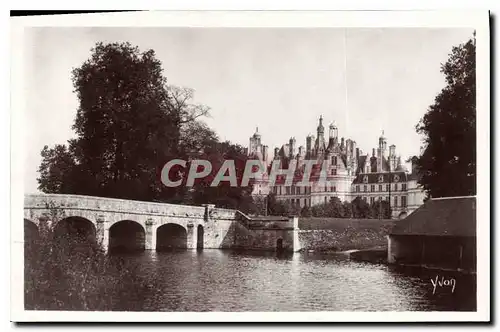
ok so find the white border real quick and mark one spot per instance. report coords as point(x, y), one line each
point(472, 18)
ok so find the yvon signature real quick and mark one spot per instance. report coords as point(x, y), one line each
point(443, 282)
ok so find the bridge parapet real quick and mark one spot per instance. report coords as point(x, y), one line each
point(92, 203)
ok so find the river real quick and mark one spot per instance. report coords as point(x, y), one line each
point(216, 280)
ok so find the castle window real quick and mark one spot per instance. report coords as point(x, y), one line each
point(403, 186)
point(331, 188)
point(372, 188)
point(403, 201)
point(334, 171)
point(379, 187)
point(326, 200)
point(364, 187)
point(395, 201)
point(395, 187)
point(357, 189)
point(334, 188)
point(287, 190)
point(387, 187)
point(372, 200)
point(293, 190)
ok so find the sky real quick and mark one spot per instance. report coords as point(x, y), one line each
point(280, 80)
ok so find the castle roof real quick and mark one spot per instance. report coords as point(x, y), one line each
point(380, 177)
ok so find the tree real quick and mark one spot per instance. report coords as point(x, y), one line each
point(348, 210)
point(380, 210)
point(224, 194)
point(360, 208)
point(125, 125)
point(447, 166)
point(306, 212)
point(277, 208)
point(56, 170)
point(129, 123)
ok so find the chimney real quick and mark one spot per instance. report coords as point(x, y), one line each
point(413, 166)
point(392, 150)
point(264, 152)
point(308, 144)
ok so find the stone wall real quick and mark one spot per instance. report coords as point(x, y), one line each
point(330, 234)
point(263, 239)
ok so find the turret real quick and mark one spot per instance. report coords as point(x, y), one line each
point(320, 129)
point(382, 144)
point(320, 141)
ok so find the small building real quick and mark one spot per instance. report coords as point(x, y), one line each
point(440, 234)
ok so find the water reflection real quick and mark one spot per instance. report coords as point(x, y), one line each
point(216, 280)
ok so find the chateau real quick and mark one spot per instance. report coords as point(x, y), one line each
point(349, 172)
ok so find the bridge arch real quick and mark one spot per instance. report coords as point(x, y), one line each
point(171, 236)
point(127, 235)
point(31, 234)
point(74, 232)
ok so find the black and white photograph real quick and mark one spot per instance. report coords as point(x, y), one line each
point(173, 163)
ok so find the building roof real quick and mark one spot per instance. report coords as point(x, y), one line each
point(373, 178)
point(449, 216)
point(413, 176)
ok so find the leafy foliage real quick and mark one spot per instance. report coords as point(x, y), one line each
point(335, 208)
point(128, 125)
point(447, 166)
point(69, 271)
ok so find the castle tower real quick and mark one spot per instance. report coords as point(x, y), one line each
point(254, 145)
point(382, 152)
point(320, 141)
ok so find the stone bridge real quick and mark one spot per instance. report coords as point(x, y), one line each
point(116, 223)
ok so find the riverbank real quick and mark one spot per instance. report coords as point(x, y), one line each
point(343, 235)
